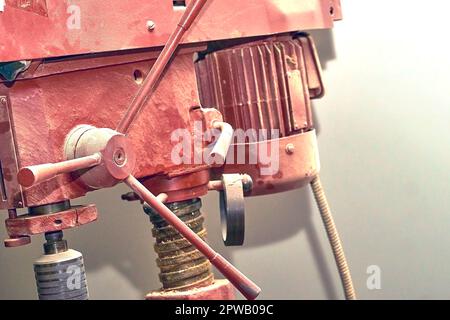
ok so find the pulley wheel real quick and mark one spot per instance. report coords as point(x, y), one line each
point(232, 210)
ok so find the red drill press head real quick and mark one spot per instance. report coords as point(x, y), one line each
point(79, 112)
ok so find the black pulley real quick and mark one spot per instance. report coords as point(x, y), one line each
point(232, 210)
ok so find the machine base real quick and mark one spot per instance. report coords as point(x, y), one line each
point(219, 290)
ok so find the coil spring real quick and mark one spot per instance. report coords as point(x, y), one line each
point(182, 266)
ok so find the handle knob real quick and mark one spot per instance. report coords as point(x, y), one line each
point(32, 175)
point(223, 143)
point(108, 153)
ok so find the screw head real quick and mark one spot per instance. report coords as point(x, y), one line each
point(247, 183)
point(3, 100)
point(120, 157)
point(290, 148)
point(151, 25)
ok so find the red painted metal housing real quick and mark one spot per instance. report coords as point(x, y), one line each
point(86, 61)
point(54, 95)
point(265, 89)
point(35, 29)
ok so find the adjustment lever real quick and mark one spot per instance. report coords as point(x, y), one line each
point(247, 287)
point(32, 175)
point(114, 160)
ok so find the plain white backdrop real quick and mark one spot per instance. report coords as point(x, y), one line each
point(384, 133)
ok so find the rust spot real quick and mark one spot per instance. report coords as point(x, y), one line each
point(292, 61)
point(278, 175)
point(35, 6)
point(270, 186)
point(4, 127)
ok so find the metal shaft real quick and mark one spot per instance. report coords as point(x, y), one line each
point(33, 175)
point(249, 289)
point(333, 236)
point(191, 13)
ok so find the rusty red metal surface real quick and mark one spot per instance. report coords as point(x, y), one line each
point(219, 290)
point(103, 26)
point(191, 13)
point(34, 6)
point(54, 96)
point(11, 191)
point(17, 242)
point(298, 164)
point(179, 188)
point(100, 72)
point(267, 85)
point(45, 109)
point(37, 224)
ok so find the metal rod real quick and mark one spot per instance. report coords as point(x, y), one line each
point(216, 185)
point(249, 289)
point(29, 176)
point(191, 13)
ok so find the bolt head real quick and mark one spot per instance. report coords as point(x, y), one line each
point(151, 25)
point(290, 148)
point(247, 183)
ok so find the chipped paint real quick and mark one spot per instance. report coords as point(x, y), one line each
point(35, 6)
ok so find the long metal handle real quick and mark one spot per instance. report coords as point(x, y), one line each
point(249, 289)
point(191, 13)
point(32, 175)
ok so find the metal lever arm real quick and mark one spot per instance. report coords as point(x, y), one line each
point(191, 13)
point(249, 289)
point(32, 175)
point(116, 160)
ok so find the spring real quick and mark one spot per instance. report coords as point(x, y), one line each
point(182, 266)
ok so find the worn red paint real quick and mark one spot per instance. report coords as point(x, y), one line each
point(53, 96)
point(34, 6)
point(105, 27)
point(31, 225)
